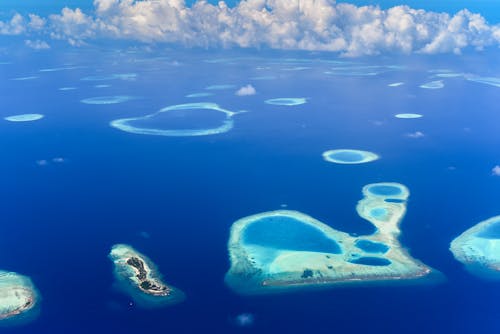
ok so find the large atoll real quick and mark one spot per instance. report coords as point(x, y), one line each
point(139, 278)
point(478, 248)
point(19, 299)
point(282, 250)
point(152, 125)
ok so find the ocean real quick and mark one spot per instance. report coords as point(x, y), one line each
point(73, 186)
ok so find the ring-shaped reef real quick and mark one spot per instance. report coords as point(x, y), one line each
point(19, 299)
point(478, 249)
point(349, 156)
point(438, 84)
point(127, 124)
point(287, 101)
point(108, 99)
point(408, 116)
point(284, 250)
point(139, 278)
point(24, 118)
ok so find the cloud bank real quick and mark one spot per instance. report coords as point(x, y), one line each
point(319, 25)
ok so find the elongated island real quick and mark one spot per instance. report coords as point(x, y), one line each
point(287, 250)
point(19, 299)
point(478, 249)
point(138, 277)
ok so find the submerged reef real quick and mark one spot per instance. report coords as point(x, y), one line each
point(24, 118)
point(438, 84)
point(108, 99)
point(287, 101)
point(138, 277)
point(285, 250)
point(120, 76)
point(348, 156)
point(408, 116)
point(19, 299)
point(485, 80)
point(478, 249)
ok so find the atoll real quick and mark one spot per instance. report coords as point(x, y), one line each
point(127, 124)
point(286, 250)
point(196, 95)
point(138, 277)
point(287, 101)
point(492, 81)
point(438, 84)
point(19, 299)
point(408, 116)
point(220, 87)
point(119, 76)
point(24, 118)
point(108, 99)
point(478, 249)
point(348, 156)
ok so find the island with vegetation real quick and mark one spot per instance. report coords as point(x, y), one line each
point(138, 277)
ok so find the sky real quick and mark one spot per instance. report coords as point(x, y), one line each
point(346, 27)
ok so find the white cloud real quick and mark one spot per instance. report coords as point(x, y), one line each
point(37, 44)
point(246, 91)
point(280, 24)
point(417, 134)
point(496, 170)
point(16, 26)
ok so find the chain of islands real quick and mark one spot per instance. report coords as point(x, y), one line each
point(139, 278)
point(287, 250)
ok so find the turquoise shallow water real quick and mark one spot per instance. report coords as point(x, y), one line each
point(385, 190)
point(287, 233)
point(348, 156)
point(372, 261)
point(371, 246)
point(492, 232)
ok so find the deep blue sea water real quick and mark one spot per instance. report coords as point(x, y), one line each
point(175, 198)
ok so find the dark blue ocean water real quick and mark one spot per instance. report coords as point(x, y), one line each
point(174, 199)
